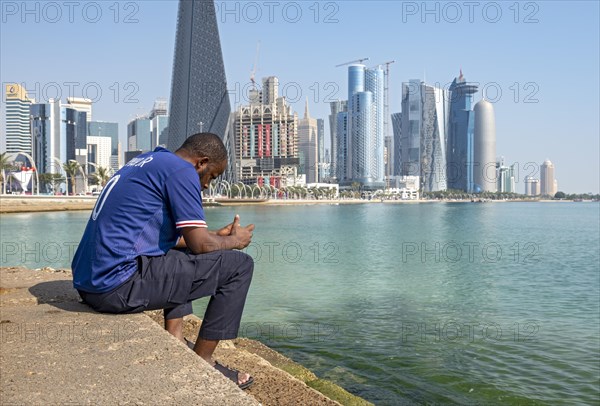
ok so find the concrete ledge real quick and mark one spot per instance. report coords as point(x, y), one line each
point(55, 350)
point(24, 204)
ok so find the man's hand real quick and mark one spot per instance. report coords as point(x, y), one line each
point(232, 236)
point(225, 231)
point(242, 234)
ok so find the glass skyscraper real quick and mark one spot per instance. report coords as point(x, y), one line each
point(18, 131)
point(342, 147)
point(460, 135)
point(199, 97)
point(364, 128)
point(397, 131)
point(374, 79)
point(308, 140)
point(160, 127)
point(139, 134)
point(336, 107)
point(422, 149)
point(59, 135)
point(321, 141)
point(105, 129)
point(484, 148)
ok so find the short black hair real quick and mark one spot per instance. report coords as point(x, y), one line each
point(206, 144)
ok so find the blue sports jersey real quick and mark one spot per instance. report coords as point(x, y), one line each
point(140, 211)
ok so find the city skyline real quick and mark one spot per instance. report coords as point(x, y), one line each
point(521, 78)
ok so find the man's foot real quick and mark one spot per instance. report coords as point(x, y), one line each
point(243, 381)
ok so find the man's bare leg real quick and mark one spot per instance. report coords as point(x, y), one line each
point(204, 348)
point(175, 327)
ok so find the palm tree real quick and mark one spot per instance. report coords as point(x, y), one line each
point(51, 181)
point(71, 168)
point(355, 189)
point(5, 165)
point(102, 175)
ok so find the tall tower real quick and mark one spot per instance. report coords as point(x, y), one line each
point(81, 104)
point(547, 182)
point(108, 129)
point(461, 129)
point(59, 135)
point(422, 149)
point(397, 144)
point(308, 140)
point(484, 151)
point(266, 139)
point(374, 83)
point(343, 151)
point(364, 141)
point(336, 107)
point(199, 97)
point(270, 90)
point(18, 130)
point(321, 148)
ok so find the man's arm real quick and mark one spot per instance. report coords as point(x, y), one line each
point(225, 231)
point(200, 240)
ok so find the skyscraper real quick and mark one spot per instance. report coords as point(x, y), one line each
point(397, 134)
point(107, 129)
point(308, 146)
point(144, 133)
point(484, 148)
point(364, 142)
point(81, 104)
point(139, 134)
point(199, 97)
point(547, 181)
point(18, 130)
point(99, 152)
point(360, 123)
point(59, 135)
point(159, 123)
point(342, 161)
point(506, 177)
point(266, 139)
point(336, 107)
point(532, 186)
point(461, 131)
point(320, 144)
point(422, 147)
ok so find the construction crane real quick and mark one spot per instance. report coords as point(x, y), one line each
point(355, 61)
point(253, 71)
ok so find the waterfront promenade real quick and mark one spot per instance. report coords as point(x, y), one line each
point(55, 350)
point(26, 204)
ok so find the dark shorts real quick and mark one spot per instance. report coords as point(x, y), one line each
point(172, 281)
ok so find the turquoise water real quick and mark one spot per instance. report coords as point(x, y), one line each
point(409, 303)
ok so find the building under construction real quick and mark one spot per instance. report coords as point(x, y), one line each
point(266, 138)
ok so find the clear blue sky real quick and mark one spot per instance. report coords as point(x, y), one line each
point(548, 50)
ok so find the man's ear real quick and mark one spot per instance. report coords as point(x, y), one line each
point(202, 162)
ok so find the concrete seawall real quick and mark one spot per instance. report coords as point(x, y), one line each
point(24, 204)
point(56, 350)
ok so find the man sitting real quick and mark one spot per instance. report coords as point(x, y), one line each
point(147, 246)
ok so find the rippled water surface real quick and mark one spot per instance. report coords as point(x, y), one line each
point(442, 302)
